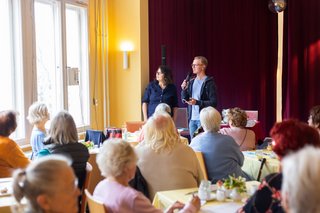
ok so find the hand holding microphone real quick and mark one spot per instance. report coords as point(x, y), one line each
point(185, 82)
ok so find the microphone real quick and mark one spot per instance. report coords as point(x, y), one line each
point(189, 76)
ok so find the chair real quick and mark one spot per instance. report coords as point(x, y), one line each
point(95, 206)
point(202, 164)
point(133, 126)
point(85, 186)
point(181, 121)
point(96, 136)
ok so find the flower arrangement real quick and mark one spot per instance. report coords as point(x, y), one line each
point(232, 182)
point(88, 144)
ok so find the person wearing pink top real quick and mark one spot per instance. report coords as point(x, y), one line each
point(117, 162)
point(245, 138)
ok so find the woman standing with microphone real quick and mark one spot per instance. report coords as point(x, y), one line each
point(161, 90)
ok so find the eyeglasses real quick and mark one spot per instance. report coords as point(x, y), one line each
point(196, 65)
point(159, 73)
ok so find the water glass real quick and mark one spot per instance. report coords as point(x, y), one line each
point(204, 190)
point(124, 133)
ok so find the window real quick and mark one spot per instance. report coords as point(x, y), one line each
point(11, 93)
point(53, 48)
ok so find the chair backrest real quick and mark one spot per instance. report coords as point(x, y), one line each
point(202, 164)
point(85, 186)
point(133, 126)
point(181, 118)
point(252, 114)
point(95, 206)
point(96, 136)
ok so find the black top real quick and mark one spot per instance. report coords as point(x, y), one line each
point(208, 95)
point(268, 197)
point(154, 95)
point(79, 155)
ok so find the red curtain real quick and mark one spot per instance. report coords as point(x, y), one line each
point(239, 39)
point(301, 76)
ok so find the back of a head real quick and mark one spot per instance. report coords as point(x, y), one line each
point(8, 122)
point(210, 119)
point(160, 133)
point(40, 177)
point(292, 135)
point(300, 187)
point(238, 117)
point(113, 157)
point(315, 116)
point(38, 112)
point(63, 129)
point(163, 108)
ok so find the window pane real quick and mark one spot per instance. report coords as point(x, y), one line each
point(77, 59)
point(48, 52)
point(11, 93)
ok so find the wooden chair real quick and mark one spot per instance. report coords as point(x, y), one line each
point(85, 186)
point(133, 126)
point(94, 205)
point(202, 164)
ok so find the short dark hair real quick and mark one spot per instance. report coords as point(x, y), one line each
point(8, 122)
point(315, 115)
point(167, 74)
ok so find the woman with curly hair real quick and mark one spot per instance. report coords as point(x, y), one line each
point(245, 138)
point(288, 137)
point(164, 161)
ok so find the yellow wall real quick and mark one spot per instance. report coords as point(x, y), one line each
point(127, 21)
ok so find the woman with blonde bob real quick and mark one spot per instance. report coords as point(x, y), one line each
point(117, 162)
point(176, 164)
point(245, 138)
point(48, 184)
point(38, 116)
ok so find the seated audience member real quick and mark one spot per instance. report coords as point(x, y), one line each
point(221, 153)
point(48, 185)
point(117, 162)
point(165, 162)
point(314, 117)
point(237, 119)
point(163, 108)
point(289, 136)
point(11, 155)
point(63, 139)
point(300, 187)
point(38, 116)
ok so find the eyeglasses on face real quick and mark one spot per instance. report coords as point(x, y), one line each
point(159, 72)
point(196, 65)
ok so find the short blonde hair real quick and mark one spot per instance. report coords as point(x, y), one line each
point(160, 133)
point(238, 117)
point(302, 189)
point(114, 156)
point(163, 108)
point(63, 129)
point(210, 119)
point(38, 112)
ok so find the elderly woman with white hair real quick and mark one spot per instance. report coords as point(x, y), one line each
point(117, 162)
point(221, 153)
point(300, 186)
point(38, 116)
point(164, 161)
point(48, 185)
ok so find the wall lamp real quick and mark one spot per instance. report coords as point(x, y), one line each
point(126, 47)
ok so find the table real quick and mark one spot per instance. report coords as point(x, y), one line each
point(251, 164)
point(164, 199)
point(6, 200)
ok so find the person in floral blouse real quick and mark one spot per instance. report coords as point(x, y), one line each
point(288, 136)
